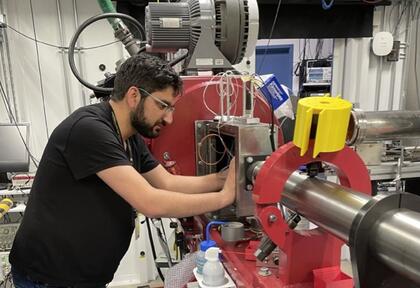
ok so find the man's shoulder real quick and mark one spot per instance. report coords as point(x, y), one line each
point(87, 118)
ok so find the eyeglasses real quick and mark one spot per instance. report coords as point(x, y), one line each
point(162, 105)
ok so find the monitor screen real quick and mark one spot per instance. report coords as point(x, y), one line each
point(14, 156)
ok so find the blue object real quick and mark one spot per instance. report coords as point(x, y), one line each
point(274, 92)
point(204, 245)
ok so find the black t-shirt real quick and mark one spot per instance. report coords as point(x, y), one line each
point(76, 229)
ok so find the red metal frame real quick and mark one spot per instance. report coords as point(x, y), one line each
point(317, 249)
point(178, 139)
point(303, 253)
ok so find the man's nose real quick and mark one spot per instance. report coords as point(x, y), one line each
point(169, 117)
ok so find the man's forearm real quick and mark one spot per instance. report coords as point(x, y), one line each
point(163, 203)
point(197, 184)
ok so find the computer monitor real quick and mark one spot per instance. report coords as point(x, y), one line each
point(14, 156)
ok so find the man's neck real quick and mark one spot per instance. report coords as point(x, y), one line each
point(122, 115)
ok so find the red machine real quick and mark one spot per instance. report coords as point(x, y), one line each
point(301, 254)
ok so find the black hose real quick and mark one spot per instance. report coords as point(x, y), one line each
point(152, 245)
point(177, 60)
point(76, 35)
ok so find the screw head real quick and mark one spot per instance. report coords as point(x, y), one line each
point(264, 271)
point(249, 159)
point(272, 218)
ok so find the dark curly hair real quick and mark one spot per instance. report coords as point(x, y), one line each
point(146, 71)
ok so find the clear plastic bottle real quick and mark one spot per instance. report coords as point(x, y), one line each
point(213, 271)
point(201, 254)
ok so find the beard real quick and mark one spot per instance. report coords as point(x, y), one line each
point(138, 121)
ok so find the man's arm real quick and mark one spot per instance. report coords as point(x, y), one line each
point(159, 177)
point(153, 202)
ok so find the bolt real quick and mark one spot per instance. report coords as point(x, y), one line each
point(249, 159)
point(264, 271)
point(249, 187)
point(199, 125)
point(166, 156)
point(272, 218)
point(200, 162)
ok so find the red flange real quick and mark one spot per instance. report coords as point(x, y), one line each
point(282, 163)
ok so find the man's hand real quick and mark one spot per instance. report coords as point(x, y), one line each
point(229, 190)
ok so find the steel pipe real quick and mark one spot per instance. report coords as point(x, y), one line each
point(382, 125)
point(396, 240)
point(328, 205)
point(395, 237)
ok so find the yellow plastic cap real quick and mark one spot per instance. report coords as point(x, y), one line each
point(327, 118)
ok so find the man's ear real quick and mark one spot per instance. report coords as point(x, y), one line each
point(132, 97)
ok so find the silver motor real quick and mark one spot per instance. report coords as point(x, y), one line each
point(217, 33)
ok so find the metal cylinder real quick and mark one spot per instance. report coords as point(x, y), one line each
point(395, 237)
point(328, 205)
point(253, 170)
point(383, 125)
point(232, 231)
point(396, 240)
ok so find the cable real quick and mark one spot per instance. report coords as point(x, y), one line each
point(40, 72)
point(270, 36)
point(8, 106)
point(152, 245)
point(163, 243)
point(76, 35)
point(57, 46)
point(399, 19)
point(178, 59)
point(415, 55)
point(271, 104)
point(200, 145)
point(326, 6)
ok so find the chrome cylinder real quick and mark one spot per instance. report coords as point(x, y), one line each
point(396, 240)
point(328, 205)
point(382, 125)
point(395, 237)
point(253, 170)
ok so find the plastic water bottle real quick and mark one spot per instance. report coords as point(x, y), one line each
point(213, 272)
point(201, 256)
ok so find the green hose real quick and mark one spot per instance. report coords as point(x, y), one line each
point(108, 7)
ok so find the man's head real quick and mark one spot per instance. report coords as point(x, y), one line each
point(149, 87)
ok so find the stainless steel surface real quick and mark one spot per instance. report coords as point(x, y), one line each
point(383, 125)
point(244, 141)
point(232, 231)
point(328, 205)
point(391, 225)
point(371, 153)
point(389, 171)
point(396, 240)
point(253, 170)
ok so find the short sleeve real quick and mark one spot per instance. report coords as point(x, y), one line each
point(91, 147)
point(146, 160)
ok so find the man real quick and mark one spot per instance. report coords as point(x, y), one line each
point(95, 168)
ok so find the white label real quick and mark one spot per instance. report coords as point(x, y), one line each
point(219, 62)
point(170, 22)
point(203, 61)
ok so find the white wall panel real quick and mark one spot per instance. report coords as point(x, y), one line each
point(369, 81)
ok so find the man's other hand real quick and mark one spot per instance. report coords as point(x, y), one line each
point(230, 183)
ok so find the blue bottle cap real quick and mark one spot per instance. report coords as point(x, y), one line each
point(206, 244)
